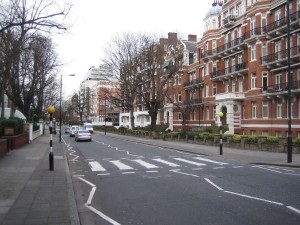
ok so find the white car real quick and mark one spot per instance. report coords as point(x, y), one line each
point(83, 135)
point(89, 127)
point(73, 130)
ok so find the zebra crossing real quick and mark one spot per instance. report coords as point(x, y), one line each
point(128, 166)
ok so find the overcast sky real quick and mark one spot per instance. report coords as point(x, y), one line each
point(96, 21)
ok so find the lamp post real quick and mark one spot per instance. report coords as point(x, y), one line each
point(51, 110)
point(289, 85)
point(105, 114)
point(221, 133)
point(60, 104)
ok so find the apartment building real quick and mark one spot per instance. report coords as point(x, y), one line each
point(239, 67)
point(243, 64)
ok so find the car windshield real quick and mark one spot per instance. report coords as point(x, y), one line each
point(89, 126)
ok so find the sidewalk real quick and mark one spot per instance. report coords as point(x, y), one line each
point(31, 194)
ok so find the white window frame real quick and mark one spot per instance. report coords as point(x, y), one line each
point(265, 109)
point(253, 52)
point(253, 81)
point(254, 110)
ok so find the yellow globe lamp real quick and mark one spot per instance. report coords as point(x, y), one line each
point(51, 109)
point(221, 114)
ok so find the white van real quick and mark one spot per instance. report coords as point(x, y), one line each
point(89, 127)
point(73, 130)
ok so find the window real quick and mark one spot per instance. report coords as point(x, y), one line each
point(265, 133)
point(253, 132)
point(239, 10)
point(233, 86)
point(254, 110)
point(253, 80)
point(253, 52)
point(207, 113)
point(214, 89)
point(179, 116)
point(253, 25)
point(179, 96)
point(277, 16)
point(278, 82)
point(265, 81)
point(279, 109)
point(265, 109)
point(278, 50)
point(264, 52)
point(264, 22)
point(227, 87)
point(179, 79)
point(206, 90)
point(278, 134)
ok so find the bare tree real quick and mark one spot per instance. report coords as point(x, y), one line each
point(156, 76)
point(26, 69)
point(123, 55)
point(42, 15)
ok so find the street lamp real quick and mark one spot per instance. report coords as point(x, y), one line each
point(289, 85)
point(51, 110)
point(217, 2)
point(60, 104)
point(221, 133)
point(105, 114)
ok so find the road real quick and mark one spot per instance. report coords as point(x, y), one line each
point(117, 181)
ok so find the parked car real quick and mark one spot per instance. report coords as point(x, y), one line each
point(73, 130)
point(83, 135)
point(89, 127)
point(67, 130)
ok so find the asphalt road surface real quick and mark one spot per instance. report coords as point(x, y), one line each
point(126, 182)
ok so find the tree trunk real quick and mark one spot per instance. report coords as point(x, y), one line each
point(132, 119)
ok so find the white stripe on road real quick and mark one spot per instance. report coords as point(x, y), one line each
point(95, 166)
point(166, 162)
point(145, 164)
point(213, 184)
point(121, 165)
point(255, 198)
point(211, 161)
point(294, 209)
point(190, 162)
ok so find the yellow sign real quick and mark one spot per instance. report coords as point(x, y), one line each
point(51, 109)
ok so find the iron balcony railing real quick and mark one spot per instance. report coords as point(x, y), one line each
point(281, 87)
point(193, 102)
point(281, 55)
point(228, 70)
point(193, 82)
point(282, 22)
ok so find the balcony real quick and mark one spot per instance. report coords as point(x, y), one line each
point(208, 54)
point(231, 47)
point(279, 26)
point(193, 102)
point(230, 96)
point(192, 84)
point(232, 71)
point(229, 21)
point(254, 34)
point(279, 59)
point(281, 88)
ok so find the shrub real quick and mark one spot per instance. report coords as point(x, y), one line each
point(272, 139)
point(236, 138)
point(252, 139)
point(13, 122)
point(296, 141)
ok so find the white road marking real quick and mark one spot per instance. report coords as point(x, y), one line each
point(152, 171)
point(103, 174)
point(145, 164)
point(128, 172)
point(255, 198)
point(213, 184)
point(188, 174)
point(261, 167)
point(219, 167)
point(294, 209)
point(95, 166)
point(211, 161)
point(89, 202)
point(190, 162)
point(166, 162)
point(121, 165)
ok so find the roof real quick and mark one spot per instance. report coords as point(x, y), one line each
point(191, 46)
point(213, 11)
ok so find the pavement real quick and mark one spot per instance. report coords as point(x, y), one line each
point(31, 194)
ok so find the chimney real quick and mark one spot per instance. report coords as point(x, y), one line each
point(192, 37)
